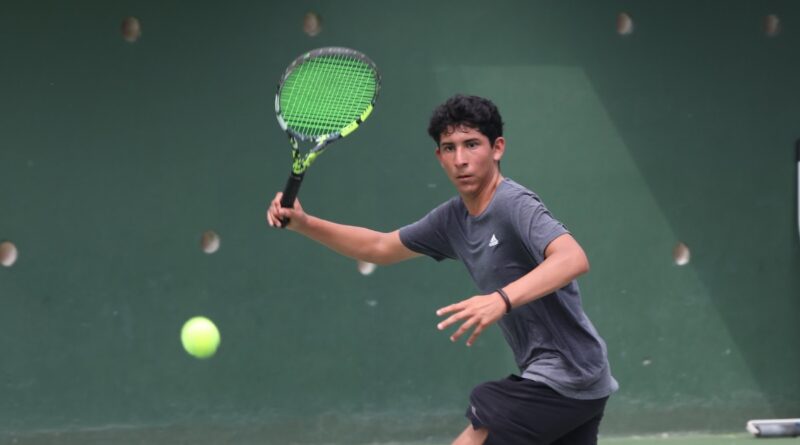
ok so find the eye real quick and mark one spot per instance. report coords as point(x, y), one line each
point(447, 148)
point(472, 144)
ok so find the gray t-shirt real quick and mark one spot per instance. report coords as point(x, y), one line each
point(552, 338)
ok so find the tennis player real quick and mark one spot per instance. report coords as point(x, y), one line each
point(523, 261)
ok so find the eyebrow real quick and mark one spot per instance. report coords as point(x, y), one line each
point(442, 144)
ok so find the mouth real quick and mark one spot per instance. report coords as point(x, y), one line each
point(463, 177)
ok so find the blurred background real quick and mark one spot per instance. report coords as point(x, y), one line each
point(134, 135)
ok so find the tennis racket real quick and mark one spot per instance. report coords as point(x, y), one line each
point(323, 96)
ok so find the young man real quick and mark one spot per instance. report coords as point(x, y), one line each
point(523, 261)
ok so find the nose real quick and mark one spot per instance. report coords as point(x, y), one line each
point(460, 157)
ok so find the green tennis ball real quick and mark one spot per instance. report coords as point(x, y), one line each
point(200, 337)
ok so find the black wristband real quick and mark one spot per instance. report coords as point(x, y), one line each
point(505, 298)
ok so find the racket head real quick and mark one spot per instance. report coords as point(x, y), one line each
point(326, 94)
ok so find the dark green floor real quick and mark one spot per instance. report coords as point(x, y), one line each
point(139, 437)
point(686, 439)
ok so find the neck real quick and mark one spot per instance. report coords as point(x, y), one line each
point(476, 203)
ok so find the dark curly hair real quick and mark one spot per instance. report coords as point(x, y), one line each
point(469, 111)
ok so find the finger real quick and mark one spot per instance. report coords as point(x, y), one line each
point(275, 216)
point(475, 334)
point(284, 217)
point(462, 329)
point(448, 309)
point(272, 216)
point(452, 319)
point(271, 213)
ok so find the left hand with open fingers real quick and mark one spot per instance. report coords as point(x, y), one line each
point(479, 312)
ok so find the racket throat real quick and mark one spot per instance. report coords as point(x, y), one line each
point(301, 163)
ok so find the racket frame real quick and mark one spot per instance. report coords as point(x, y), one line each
point(301, 162)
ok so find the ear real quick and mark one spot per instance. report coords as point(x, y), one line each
point(498, 149)
point(439, 156)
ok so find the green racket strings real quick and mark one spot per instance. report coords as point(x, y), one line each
point(325, 94)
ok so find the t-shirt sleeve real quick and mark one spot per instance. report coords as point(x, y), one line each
point(536, 226)
point(428, 236)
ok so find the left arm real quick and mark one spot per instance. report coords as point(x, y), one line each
point(564, 261)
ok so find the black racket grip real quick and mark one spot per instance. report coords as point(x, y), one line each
point(290, 194)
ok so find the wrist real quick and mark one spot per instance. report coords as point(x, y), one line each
point(299, 224)
point(506, 300)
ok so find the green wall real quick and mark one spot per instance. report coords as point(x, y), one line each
point(116, 157)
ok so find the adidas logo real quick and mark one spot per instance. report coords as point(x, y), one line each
point(493, 242)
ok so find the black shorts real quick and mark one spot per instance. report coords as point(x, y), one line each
point(518, 411)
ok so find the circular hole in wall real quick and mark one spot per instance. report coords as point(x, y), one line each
point(681, 254)
point(8, 253)
point(312, 24)
point(131, 29)
point(210, 242)
point(624, 24)
point(772, 25)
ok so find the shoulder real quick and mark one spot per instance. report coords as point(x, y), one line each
point(442, 214)
point(449, 208)
point(524, 207)
point(517, 195)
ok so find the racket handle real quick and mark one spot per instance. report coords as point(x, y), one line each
point(290, 193)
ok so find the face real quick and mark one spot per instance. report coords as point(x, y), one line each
point(469, 159)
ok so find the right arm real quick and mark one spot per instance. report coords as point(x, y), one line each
point(351, 241)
